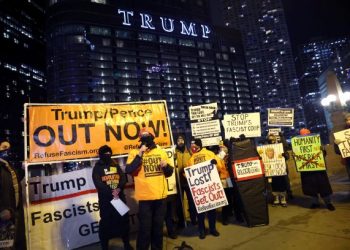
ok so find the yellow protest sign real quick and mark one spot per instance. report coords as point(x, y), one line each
point(64, 132)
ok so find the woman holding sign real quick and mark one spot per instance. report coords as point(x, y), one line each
point(200, 154)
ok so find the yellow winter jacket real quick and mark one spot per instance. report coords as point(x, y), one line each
point(205, 155)
point(150, 182)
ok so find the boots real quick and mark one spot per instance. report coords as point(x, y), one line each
point(276, 200)
point(283, 199)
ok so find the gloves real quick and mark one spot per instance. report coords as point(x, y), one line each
point(214, 162)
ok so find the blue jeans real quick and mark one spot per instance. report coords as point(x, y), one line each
point(151, 217)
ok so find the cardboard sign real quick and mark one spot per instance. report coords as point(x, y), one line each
point(344, 145)
point(274, 162)
point(205, 185)
point(76, 131)
point(204, 124)
point(280, 117)
point(307, 153)
point(237, 124)
point(246, 169)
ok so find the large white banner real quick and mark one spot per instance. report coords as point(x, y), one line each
point(272, 157)
point(204, 123)
point(205, 185)
point(280, 117)
point(63, 211)
point(237, 124)
point(344, 145)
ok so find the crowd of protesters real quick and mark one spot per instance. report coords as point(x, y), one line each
point(150, 166)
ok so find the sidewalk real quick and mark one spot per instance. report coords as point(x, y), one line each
point(294, 227)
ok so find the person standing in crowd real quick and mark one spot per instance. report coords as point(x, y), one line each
point(200, 154)
point(279, 183)
point(109, 181)
point(150, 166)
point(336, 143)
point(11, 206)
point(182, 156)
point(316, 183)
point(221, 152)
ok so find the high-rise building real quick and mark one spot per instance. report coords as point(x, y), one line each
point(124, 51)
point(22, 65)
point(268, 53)
point(314, 58)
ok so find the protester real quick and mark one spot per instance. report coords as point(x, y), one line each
point(200, 154)
point(182, 156)
point(150, 165)
point(279, 183)
point(315, 183)
point(336, 143)
point(11, 206)
point(109, 181)
point(221, 152)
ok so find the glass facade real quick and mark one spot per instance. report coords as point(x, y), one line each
point(314, 58)
point(22, 66)
point(126, 57)
point(268, 53)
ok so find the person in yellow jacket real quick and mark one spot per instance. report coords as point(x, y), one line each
point(200, 154)
point(150, 166)
point(182, 156)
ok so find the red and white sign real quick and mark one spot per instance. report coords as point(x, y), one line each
point(246, 169)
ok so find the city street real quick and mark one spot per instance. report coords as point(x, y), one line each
point(294, 227)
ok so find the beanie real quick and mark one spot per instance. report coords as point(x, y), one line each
point(104, 149)
point(304, 131)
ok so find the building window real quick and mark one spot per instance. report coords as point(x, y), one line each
point(201, 53)
point(232, 50)
point(100, 31)
point(186, 42)
point(99, 1)
point(146, 37)
point(167, 40)
point(120, 44)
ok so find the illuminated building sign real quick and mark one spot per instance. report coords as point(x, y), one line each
point(168, 24)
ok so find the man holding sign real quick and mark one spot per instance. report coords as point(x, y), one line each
point(309, 160)
point(205, 185)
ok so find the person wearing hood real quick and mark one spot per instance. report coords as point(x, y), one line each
point(109, 181)
point(315, 183)
point(150, 165)
point(11, 206)
point(200, 154)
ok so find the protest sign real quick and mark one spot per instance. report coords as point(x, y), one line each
point(205, 185)
point(171, 180)
point(274, 162)
point(344, 145)
point(204, 123)
point(204, 112)
point(64, 132)
point(280, 117)
point(246, 123)
point(246, 169)
point(307, 153)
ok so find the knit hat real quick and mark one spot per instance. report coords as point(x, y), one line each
point(104, 150)
point(197, 142)
point(304, 131)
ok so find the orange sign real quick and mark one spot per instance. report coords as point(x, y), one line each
point(67, 132)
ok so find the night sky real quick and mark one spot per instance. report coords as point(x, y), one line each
point(307, 19)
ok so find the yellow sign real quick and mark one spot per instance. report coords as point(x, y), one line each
point(76, 131)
